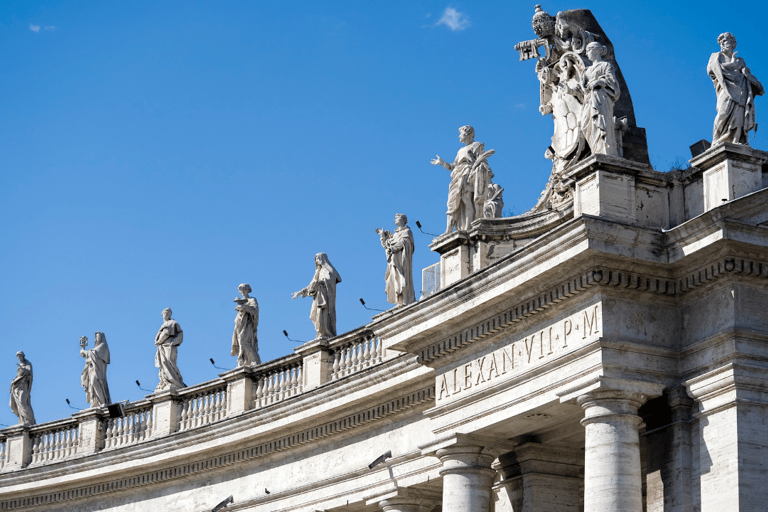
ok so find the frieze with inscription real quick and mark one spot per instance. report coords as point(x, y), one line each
point(519, 353)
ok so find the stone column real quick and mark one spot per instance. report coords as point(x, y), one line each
point(467, 478)
point(91, 433)
point(403, 500)
point(317, 363)
point(18, 447)
point(239, 390)
point(612, 478)
point(165, 412)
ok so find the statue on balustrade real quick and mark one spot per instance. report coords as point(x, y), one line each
point(470, 177)
point(322, 289)
point(495, 202)
point(245, 344)
point(736, 89)
point(399, 248)
point(21, 391)
point(167, 341)
point(583, 89)
point(94, 375)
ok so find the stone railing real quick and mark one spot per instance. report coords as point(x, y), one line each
point(54, 441)
point(202, 404)
point(355, 355)
point(161, 414)
point(278, 380)
point(133, 427)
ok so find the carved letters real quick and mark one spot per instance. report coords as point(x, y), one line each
point(517, 356)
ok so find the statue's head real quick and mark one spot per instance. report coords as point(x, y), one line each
point(596, 51)
point(727, 41)
point(167, 314)
point(401, 219)
point(244, 289)
point(20, 355)
point(543, 24)
point(466, 134)
point(99, 337)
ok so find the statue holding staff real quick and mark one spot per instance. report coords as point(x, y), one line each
point(21, 391)
point(399, 276)
point(167, 341)
point(245, 344)
point(94, 375)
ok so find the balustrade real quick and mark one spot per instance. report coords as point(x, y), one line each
point(135, 426)
point(3, 453)
point(276, 384)
point(202, 407)
point(52, 443)
point(356, 355)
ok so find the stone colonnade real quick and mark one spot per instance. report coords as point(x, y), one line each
point(536, 477)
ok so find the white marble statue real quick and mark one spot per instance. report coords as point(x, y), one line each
point(167, 341)
point(494, 204)
point(21, 391)
point(470, 177)
point(399, 247)
point(322, 289)
point(601, 91)
point(736, 89)
point(245, 343)
point(94, 375)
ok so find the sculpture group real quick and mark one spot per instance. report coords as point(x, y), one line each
point(581, 87)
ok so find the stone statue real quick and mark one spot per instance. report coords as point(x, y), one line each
point(399, 276)
point(94, 375)
point(494, 204)
point(582, 87)
point(167, 341)
point(322, 289)
point(736, 89)
point(21, 391)
point(601, 91)
point(245, 344)
point(470, 177)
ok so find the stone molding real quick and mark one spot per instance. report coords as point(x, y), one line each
point(341, 425)
point(602, 275)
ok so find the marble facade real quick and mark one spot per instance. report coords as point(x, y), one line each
point(604, 353)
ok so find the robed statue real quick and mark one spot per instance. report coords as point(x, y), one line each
point(399, 248)
point(94, 375)
point(245, 343)
point(167, 341)
point(21, 391)
point(322, 289)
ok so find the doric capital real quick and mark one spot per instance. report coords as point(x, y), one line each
point(601, 405)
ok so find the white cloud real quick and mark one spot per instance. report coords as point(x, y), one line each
point(454, 19)
point(34, 28)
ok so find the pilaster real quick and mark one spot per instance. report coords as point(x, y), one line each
point(165, 412)
point(18, 447)
point(89, 424)
point(317, 363)
point(239, 389)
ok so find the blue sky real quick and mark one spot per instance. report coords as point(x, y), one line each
point(157, 154)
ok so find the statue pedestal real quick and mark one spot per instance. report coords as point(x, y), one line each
point(91, 435)
point(239, 389)
point(165, 412)
point(730, 171)
point(317, 363)
point(18, 448)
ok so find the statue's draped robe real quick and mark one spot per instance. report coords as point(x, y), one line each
point(21, 394)
point(736, 93)
point(461, 205)
point(167, 340)
point(94, 375)
point(399, 276)
point(323, 290)
point(601, 91)
point(245, 343)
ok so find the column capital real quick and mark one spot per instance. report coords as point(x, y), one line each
point(601, 405)
point(405, 499)
point(465, 458)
